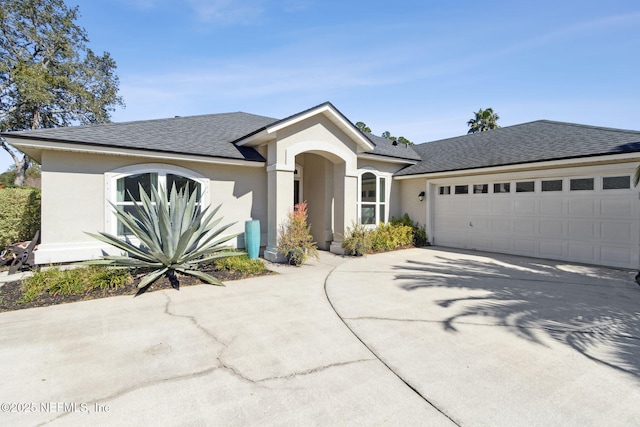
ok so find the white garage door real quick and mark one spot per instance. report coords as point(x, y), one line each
point(591, 220)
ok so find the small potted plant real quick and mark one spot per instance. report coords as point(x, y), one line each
point(295, 241)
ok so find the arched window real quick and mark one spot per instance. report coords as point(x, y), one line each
point(123, 188)
point(372, 198)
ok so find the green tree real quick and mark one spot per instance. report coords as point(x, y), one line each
point(363, 127)
point(484, 120)
point(48, 75)
point(400, 139)
point(386, 134)
point(32, 176)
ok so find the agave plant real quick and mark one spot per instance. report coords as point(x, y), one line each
point(175, 236)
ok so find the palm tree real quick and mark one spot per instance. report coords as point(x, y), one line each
point(484, 120)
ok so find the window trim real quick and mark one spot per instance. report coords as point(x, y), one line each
point(460, 187)
point(524, 191)
point(562, 185)
point(603, 177)
point(387, 193)
point(441, 191)
point(583, 178)
point(503, 183)
point(162, 169)
point(474, 188)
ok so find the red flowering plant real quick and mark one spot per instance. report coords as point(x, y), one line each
point(294, 236)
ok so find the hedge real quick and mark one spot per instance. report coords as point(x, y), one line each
point(19, 215)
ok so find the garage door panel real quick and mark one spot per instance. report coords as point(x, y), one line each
point(501, 244)
point(616, 255)
point(552, 207)
point(525, 226)
point(617, 232)
point(502, 225)
point(501, 205)
point(480, 242)
point(582, 230)
point(452, 223)
point(582, 207)
point(480, 206)
point(525, 246)
point(552, 228)
point(525, 206)
point(552, 249)
point(583, 252)
point(453, 239)
point(616, 208)
point(480, 224)
point(459, 205)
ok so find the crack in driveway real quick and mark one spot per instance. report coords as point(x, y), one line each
point(314, 370)
point(379, 358)
point(220, 366)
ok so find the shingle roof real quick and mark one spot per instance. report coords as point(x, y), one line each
point(537, 141)
point(207, 135)
point(385, 147)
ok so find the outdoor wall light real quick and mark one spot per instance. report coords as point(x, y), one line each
point(421, 196)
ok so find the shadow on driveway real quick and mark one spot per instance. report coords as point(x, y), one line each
point(593, 310)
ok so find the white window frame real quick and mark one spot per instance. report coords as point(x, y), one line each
point(387, 193)
point(111, 186)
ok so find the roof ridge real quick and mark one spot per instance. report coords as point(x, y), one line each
point(580, 125)
point(130, 122)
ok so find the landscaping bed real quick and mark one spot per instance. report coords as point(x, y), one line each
point(61, 289)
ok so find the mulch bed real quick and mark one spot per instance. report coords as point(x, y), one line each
point(11, 293)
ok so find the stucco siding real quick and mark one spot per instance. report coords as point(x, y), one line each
point(72, 197)
point(74, 200)
point(407, 199)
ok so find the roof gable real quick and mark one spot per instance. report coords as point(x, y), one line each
point(537, 141)
point(327, 109)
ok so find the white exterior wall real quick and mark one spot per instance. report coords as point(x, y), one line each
point(74, 200)
point(407, 195)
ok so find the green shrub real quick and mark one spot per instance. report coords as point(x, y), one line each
point(388, 237)
point(403, 220)
point(420, 237)
point(357, 242)
point(242, 264)
point(419, 233)
point(398, 233)
point(73, 282)
point(19, 214)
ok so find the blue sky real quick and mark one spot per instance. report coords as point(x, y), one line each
point(415, 68)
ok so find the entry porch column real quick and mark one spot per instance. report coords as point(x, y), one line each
point(345, 190)
point(280, 203)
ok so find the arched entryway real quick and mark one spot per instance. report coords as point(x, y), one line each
point(326, 179)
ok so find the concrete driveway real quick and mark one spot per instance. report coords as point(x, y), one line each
point(497, 340)
point(423, 337)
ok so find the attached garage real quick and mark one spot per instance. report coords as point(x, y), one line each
point(543, 189)
point(589, 219)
